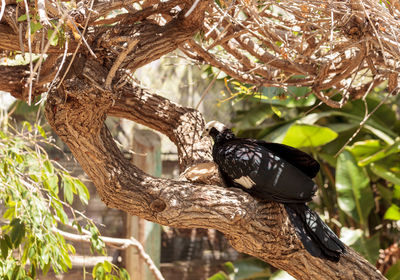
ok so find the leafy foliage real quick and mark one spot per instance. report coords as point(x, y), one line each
point(30, 186)
point(360, 185)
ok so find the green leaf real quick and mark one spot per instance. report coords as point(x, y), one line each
point(276, 111)
point(107, 266)
point(25, 124)
point(341, 127)
point(60, 211)
point(382, 153)
point(17, 232)
point(385, 192)
point(33, 271)
point(51, 184)
point(251, 268)
point(382, 119)
point(123, 274)
point(396, 192)
point(220, 276)
point(363, 149)
point(384, 172)
point(41, 131)
point(379, 130)
point(229, 267)
point(98, 272)
point(292, 98)
point(9, 214)
point(68, 188)
point(67, 261)
point(253, 118)
point(71, 249)
point(53, 39)
point(82, 191)
point(31, 252)
point(49, 167)
point(352, 185)
point(16, 272)
point(7, 238)
point(4, 248)
point(35, 26)
point(276, 133)
point(22, 18)
point(393, 213)
point(301, 135)
point(393, 272)
point(46, 268)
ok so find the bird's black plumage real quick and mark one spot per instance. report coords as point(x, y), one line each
point(276, 172)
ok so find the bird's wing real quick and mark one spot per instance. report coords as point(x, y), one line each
point(262, 172)
point(299, 159)
point(238, 160)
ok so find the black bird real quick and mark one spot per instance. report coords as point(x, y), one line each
point(276, 172)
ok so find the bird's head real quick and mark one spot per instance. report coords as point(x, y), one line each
point(215, 129)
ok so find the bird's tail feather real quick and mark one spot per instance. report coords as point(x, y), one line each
point(318, 239)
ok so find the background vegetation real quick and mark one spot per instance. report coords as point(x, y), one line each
point(31, 187)
point(358, 148)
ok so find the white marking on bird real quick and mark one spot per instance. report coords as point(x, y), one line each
point(277, 176)
point(217, 125)
point(245, 181)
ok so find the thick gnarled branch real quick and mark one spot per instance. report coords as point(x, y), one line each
point(258, 228)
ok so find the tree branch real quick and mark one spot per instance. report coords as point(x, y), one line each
point(14, 79)
point(254, 227)
point(9, 41)
point(122, 243)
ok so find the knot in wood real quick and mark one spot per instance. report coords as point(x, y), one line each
point(236, 216)
point(158, 205)
point(78, 16)
point(206, 172)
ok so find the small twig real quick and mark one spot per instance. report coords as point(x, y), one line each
point(78, 46)
point(346, 91)
point(220, 20)
point(376, 32)
point(82, 38)
point(41, 5)
point(45, 49)
point(3, 7)
point(205, 92)
point(21, 41)
point(40, 64)
point(122, 244)
point(362, 123)
point(192, 8)
point(111, 74)
point(59, 69)
point(30, 80)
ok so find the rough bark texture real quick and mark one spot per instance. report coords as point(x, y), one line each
point(77, 108)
